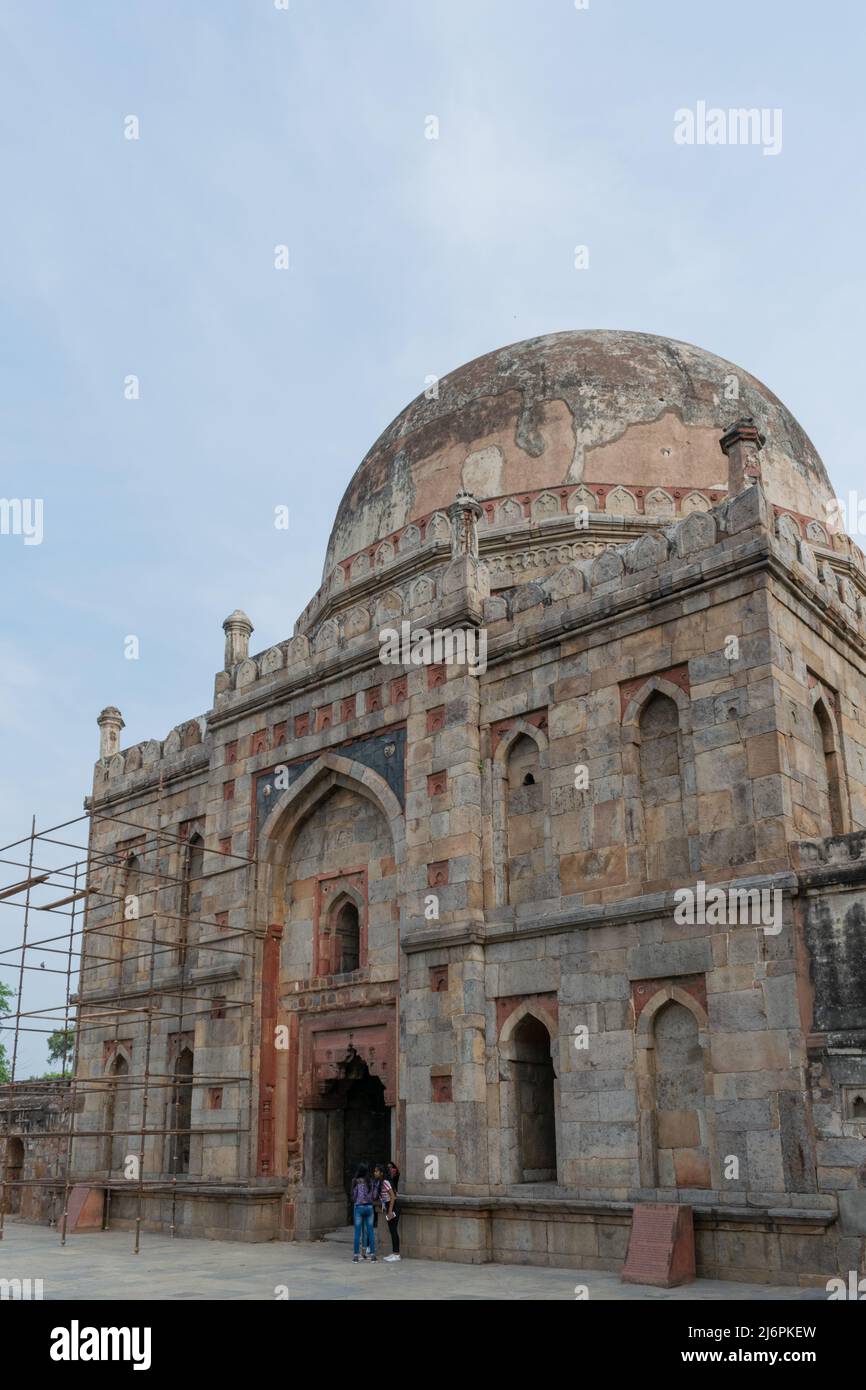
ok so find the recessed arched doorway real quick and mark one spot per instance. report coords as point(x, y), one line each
point(366, 1128)
point(181, 1113)
point(535, 1095)
point(346, 1112)
point(349, 1124)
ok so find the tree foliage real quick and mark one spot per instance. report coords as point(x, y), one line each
point(7, 994)
point(61, 1046)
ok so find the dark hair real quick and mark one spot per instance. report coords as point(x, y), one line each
point(378, 1168)
point(363, 1173)
point(392, 1164)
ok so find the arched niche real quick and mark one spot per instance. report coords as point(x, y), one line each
point(192, 883)
point(132, 910)
point(658, 757)
point(830, 791)
point(677, 1140)
point(180, 1140)
point(116, 1114)
point(529, 1096)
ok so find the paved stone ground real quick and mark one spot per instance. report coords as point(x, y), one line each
point(102, 1266)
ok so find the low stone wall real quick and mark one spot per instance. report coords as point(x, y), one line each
point(774, 1246)
point(243, 1214)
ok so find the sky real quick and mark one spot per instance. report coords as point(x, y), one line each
point(305, 124)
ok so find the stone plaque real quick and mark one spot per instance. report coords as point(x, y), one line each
point(85, 1208)
point(661, 1247)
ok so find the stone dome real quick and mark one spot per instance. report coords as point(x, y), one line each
point(625, 415)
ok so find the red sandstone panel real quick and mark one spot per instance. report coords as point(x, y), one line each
point(267, 1060)
point(507, 1003)
point(661, 1247)
point(84, 1212)
point(676, 675)
point(642, 991)
point(325, 1043)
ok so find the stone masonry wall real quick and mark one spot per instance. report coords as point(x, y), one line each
point(645, 722)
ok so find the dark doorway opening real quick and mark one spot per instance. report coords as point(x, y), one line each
point(536, 1104)
point(181, 1113)
point(367, 1128)
point(351, 1124)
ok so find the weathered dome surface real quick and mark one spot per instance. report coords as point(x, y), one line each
point(591, 407)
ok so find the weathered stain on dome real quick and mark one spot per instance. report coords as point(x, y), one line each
point(549, 403)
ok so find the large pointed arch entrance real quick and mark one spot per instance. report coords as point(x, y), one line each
point(330, 852)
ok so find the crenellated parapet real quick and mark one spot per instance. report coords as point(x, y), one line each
point(678, 554)
point(184, 748)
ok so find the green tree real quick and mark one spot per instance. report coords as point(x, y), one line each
point(61, 1048)
point(7, 994)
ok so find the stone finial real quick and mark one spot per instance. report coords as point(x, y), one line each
point(463, 514)
point(110, 723)
point(238, 630)
point(742, 442)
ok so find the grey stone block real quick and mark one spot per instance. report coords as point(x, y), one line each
point(658, 961)
point(852, 1213)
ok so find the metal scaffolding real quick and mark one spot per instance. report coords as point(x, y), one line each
point(72, 889)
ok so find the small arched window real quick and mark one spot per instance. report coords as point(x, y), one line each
point(130, 926)
point(190, 901)
point(525, 818)
point(828, 775)
point(347, 939)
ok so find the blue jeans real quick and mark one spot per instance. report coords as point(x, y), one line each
point(364, 1228)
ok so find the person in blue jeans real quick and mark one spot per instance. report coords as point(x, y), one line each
point(363, 1196)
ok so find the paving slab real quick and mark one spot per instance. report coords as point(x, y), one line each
point(102, 1266)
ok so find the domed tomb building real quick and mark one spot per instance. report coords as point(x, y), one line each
point(576, 924)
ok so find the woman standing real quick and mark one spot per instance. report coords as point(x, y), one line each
point(390, 1181)
point(363, 1196)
